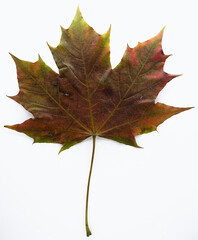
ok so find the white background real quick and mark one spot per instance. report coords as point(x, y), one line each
point(138, 194)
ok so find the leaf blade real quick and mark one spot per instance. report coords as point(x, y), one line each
point(87, 93)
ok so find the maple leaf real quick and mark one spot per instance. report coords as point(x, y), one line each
point(88, 97)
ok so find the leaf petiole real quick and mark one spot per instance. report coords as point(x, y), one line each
point(88, 184)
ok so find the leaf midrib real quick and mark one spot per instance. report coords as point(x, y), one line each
point(88, 91)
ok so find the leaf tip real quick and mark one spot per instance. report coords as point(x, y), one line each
point(78, 9)
point(78, 12)
point(13, 57)
point(188, 108)
point(11, 97)
point(163, 29)
point(183, 109)
point(62, 28)
point(160, 34)
point(39, 58)
point(109, 30)
point(128, 47)
point(106, 35)
point(49, 46)
point(10, 54)
point(175, 75)
point(137, 146)
point(61, 150)
point(10, 126)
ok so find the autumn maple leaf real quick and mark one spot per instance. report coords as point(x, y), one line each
point(88, 97)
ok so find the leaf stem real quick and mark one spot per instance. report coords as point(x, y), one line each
point(88, 184)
